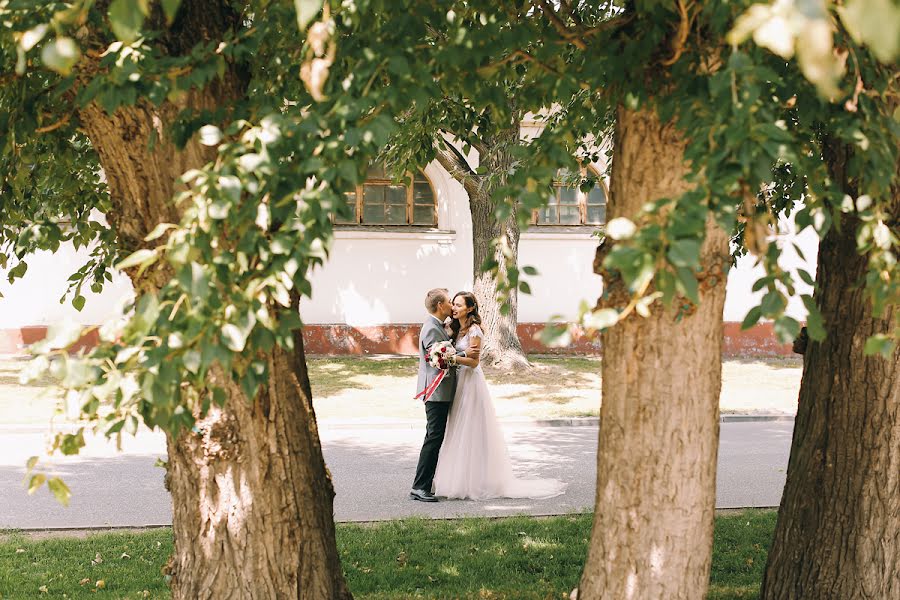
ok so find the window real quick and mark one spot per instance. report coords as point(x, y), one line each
point(380, 201)
point(571, 206)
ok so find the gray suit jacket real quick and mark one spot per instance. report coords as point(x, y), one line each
point(433, 332)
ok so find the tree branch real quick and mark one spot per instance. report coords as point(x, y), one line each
point(456, 164)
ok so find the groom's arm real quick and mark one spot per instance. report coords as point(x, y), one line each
point(430, 337)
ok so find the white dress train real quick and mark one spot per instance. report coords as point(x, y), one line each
point(473, 462)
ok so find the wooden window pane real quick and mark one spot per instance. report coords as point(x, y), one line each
point(569, 215)
point(374, 194)
point(423, 214)
point(395, 214)
point(395, 194)
point(596, 214)
point(597, 195)
point(548, 216)
point(568, 195)
point(373, 214)
point(422, 193)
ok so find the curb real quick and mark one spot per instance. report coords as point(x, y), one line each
point(97, 529)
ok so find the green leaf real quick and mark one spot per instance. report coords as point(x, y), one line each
point(78, 302)
point(874, 23)
point(170, 8)
point(60, 490)
point(601, 319)
point(880, 344)
point(235, 339)
point(35, 483)
point(773, 303)
point(158, 231)
point(126, 19)
point(143, 257)
point(191, 361)
point(684, 253)
point(556, 335)
point(787, 329)
point(30, 464)
point(752, 318)
point(806, 277)
point(210, 135)
point(17, 271)
point(306, 11)
point(687, 284)
point(524, 287)
point(194, 279)
point(61, 55)
point(530, 270)
point(815, 324)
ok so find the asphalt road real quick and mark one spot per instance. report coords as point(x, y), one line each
point(372, 470)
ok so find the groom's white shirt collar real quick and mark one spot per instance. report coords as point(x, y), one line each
point(439, 322)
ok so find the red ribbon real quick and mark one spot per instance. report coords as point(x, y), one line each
point(430, 388)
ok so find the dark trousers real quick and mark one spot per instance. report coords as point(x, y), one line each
point(436, 414)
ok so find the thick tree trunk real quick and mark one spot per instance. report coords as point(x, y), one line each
point(252, 499)
point(838, 530)
point(502, 349)
point(659, 422)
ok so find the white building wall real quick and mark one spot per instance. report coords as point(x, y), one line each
point(380, 277)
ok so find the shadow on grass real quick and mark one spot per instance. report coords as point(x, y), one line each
point(332, 375)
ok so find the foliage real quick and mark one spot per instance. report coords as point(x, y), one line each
point(325, 99)
point(517, 557)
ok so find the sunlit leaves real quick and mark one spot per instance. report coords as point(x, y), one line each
point(126, 17)
point(875, 23)
point(306, 11)
point(61, 55)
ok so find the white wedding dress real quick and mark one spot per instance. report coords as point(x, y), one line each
point(473, 461)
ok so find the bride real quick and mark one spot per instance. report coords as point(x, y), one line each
point(473, 461)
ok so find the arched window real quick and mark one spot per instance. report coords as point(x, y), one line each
point(571, 206)
point(381, 201)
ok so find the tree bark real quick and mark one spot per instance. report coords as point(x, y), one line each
point(659, 421)
point(502, 349)
point(252, 498)
point(838, 529)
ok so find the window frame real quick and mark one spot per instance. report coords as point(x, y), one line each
point(359, 193)
point(581, 201)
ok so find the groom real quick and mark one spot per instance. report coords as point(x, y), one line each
point(437, 407)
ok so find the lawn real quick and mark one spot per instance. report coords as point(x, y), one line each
point(348, 388)
point(514, 558)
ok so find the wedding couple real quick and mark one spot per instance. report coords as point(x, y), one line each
point(464, 454)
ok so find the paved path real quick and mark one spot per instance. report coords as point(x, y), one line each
point(372, 469)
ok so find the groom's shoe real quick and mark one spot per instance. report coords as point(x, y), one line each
point(422, 496)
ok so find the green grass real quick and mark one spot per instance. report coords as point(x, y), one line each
point(514, 558)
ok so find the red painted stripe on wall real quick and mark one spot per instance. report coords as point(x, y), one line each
point(340, 339)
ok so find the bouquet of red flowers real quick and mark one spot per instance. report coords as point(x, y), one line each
point(440, 354)
point(440, 357)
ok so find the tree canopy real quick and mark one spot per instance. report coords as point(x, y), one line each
point(323, 88)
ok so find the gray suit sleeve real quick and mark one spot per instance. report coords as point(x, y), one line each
point(431, 337)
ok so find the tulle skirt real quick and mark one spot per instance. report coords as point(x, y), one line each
point(473, 462)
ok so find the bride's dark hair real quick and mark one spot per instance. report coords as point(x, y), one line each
point(474, 317)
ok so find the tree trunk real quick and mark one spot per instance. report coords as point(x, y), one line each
point(502, 349)
point(252, 498)
point(838, 529)
point(659, 421)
